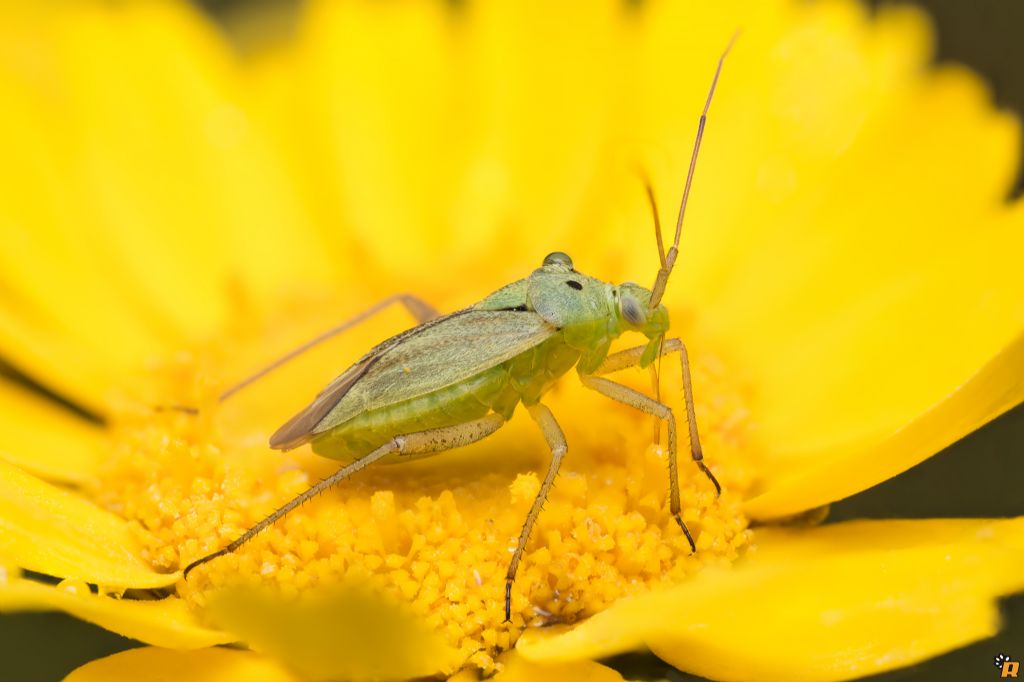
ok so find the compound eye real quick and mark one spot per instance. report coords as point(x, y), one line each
point(632, 311)
point(558, 258)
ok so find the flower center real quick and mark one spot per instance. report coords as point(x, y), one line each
point(435, 533)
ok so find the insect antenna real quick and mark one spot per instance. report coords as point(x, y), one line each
point(657, 220)
point(655, 368)
point(668, 260)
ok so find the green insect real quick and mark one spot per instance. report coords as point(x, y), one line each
point(456, 379)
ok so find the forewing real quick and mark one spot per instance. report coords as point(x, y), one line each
point(432, 356)
point(299, 428)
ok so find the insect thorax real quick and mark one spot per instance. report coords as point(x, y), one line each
point(582, 308)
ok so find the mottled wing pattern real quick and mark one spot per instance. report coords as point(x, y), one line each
point(429, 357)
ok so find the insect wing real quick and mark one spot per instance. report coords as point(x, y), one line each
point(432, 356)
point(299, 428)
point(442, 354)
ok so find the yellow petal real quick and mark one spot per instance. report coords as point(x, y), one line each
point(236, 223)
point(812, 605)
point(53, 279)
point(61, 364)
point(811, 269)
point(548, 85)
point(125, 94)
point(372, 143)
point(340, 634)
point(46, 439)
point(53, 531)
point(138, 219)
point(511, 120)
point(165, 622)
point(849, 305)
point(163, 665)
point(519, 669)
point(997, 387)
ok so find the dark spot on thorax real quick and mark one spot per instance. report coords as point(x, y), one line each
point(574, 284)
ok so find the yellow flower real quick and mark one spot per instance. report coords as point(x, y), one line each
point(174, 216)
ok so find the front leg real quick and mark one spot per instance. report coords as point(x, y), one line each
point(635, 399)
point(419, 442)
point(631, 358)
point(556, 442)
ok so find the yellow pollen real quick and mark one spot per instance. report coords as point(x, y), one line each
point(438, 533)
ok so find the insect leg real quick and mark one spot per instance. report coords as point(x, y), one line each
point(433, 440)
point(647, 405)
point(624, 359)
point(556, 441)
point(631, 358)
point(340, 475)
point(417, 307)
point(449, 437)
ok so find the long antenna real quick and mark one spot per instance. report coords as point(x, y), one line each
point(657, 220)
point(669, 260)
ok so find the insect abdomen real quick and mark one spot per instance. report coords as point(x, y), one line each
point(498, 389)
point(471, 399)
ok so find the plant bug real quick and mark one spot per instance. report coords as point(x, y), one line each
point(456, 379)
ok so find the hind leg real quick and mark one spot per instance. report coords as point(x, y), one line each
point(433, 440)
point(420, 310)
